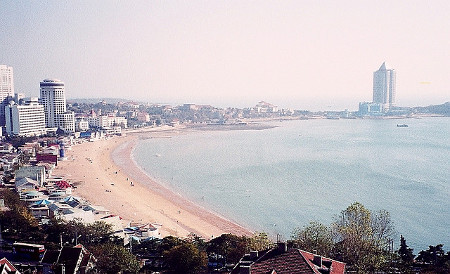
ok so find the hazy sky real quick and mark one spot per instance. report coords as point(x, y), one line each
point(303, 54)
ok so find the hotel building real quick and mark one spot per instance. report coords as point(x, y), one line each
point(384, 87)
point(27, 119)
point(6, 90)
point(54, 100)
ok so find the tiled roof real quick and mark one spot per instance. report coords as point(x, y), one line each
point(333, 266)
point(50, 257)
point(69, 256)
point(7, 267)
point(290, 262)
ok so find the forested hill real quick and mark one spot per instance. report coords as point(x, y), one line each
point(443, 109)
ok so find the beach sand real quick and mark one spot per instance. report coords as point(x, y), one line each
point(105, 175)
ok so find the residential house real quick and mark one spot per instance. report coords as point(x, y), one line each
point(8, 161)
point(280, 260)
point(36, 173)
point(39, 209)
point(68, 213)
point(69, 260)
point(7, 268)
point(23, 185)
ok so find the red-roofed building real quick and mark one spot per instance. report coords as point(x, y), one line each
point(7, 268)
point(280, 260)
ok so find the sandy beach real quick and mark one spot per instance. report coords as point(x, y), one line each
point(105, 175)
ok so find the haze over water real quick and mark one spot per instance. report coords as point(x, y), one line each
point(278, 179)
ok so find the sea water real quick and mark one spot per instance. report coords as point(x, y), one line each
point(278, 179)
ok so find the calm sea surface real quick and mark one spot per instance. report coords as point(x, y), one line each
point(277, 179)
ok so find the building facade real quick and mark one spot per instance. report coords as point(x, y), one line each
point(66, 121)
point(384, 86)
point(6, 90)
point(27, 119)
point(53, 99)
point(81, 124)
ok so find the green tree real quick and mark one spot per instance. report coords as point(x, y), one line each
point(434, 259)
point(197, 241)
point(314, 237)
point(17, 223)
point(77, 232)
point(362, 238)
point(185, 258)
point(169, 242)
point(230, 246)
point(112, 258)
point(260, 241)
point(405, 253)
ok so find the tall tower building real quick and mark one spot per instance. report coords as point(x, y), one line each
point(6, 90)
point(54, 100)
point(384, 86)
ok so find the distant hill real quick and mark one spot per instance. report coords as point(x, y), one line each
point(96, 100)
point(443, 109)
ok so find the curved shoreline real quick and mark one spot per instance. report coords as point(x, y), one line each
point(106, 181)
point(139, 174)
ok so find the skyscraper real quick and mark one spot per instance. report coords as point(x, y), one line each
point(54, 100)
point(26, 119)
point(6, 90)
point(384, 86)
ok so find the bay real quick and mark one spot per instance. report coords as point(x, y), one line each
point(277, 179)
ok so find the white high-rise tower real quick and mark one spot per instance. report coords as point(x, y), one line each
point(54, 100)
point(6, 90)
point(384, 86)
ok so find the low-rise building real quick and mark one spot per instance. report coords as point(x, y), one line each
point(81, 125)
point(36, 173)
point(283, 260)
point(71, 260)
point(66, 121)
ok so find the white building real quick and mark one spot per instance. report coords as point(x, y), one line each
point(81, 124)
point(107, 121)
point(117, 121)
point(54, 100)
point(6, 90)
point(384, 86)
point(25, 120)
point(66, 121)
point(98, 121)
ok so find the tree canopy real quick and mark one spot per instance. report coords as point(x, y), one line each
point(363, 237)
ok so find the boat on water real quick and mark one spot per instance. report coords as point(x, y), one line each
point(402, 125)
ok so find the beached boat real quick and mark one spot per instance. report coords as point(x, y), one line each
point(402, 125)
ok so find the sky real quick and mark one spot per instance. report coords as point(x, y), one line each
point(301, 54)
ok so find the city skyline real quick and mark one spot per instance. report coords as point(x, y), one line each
point(229, 53)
